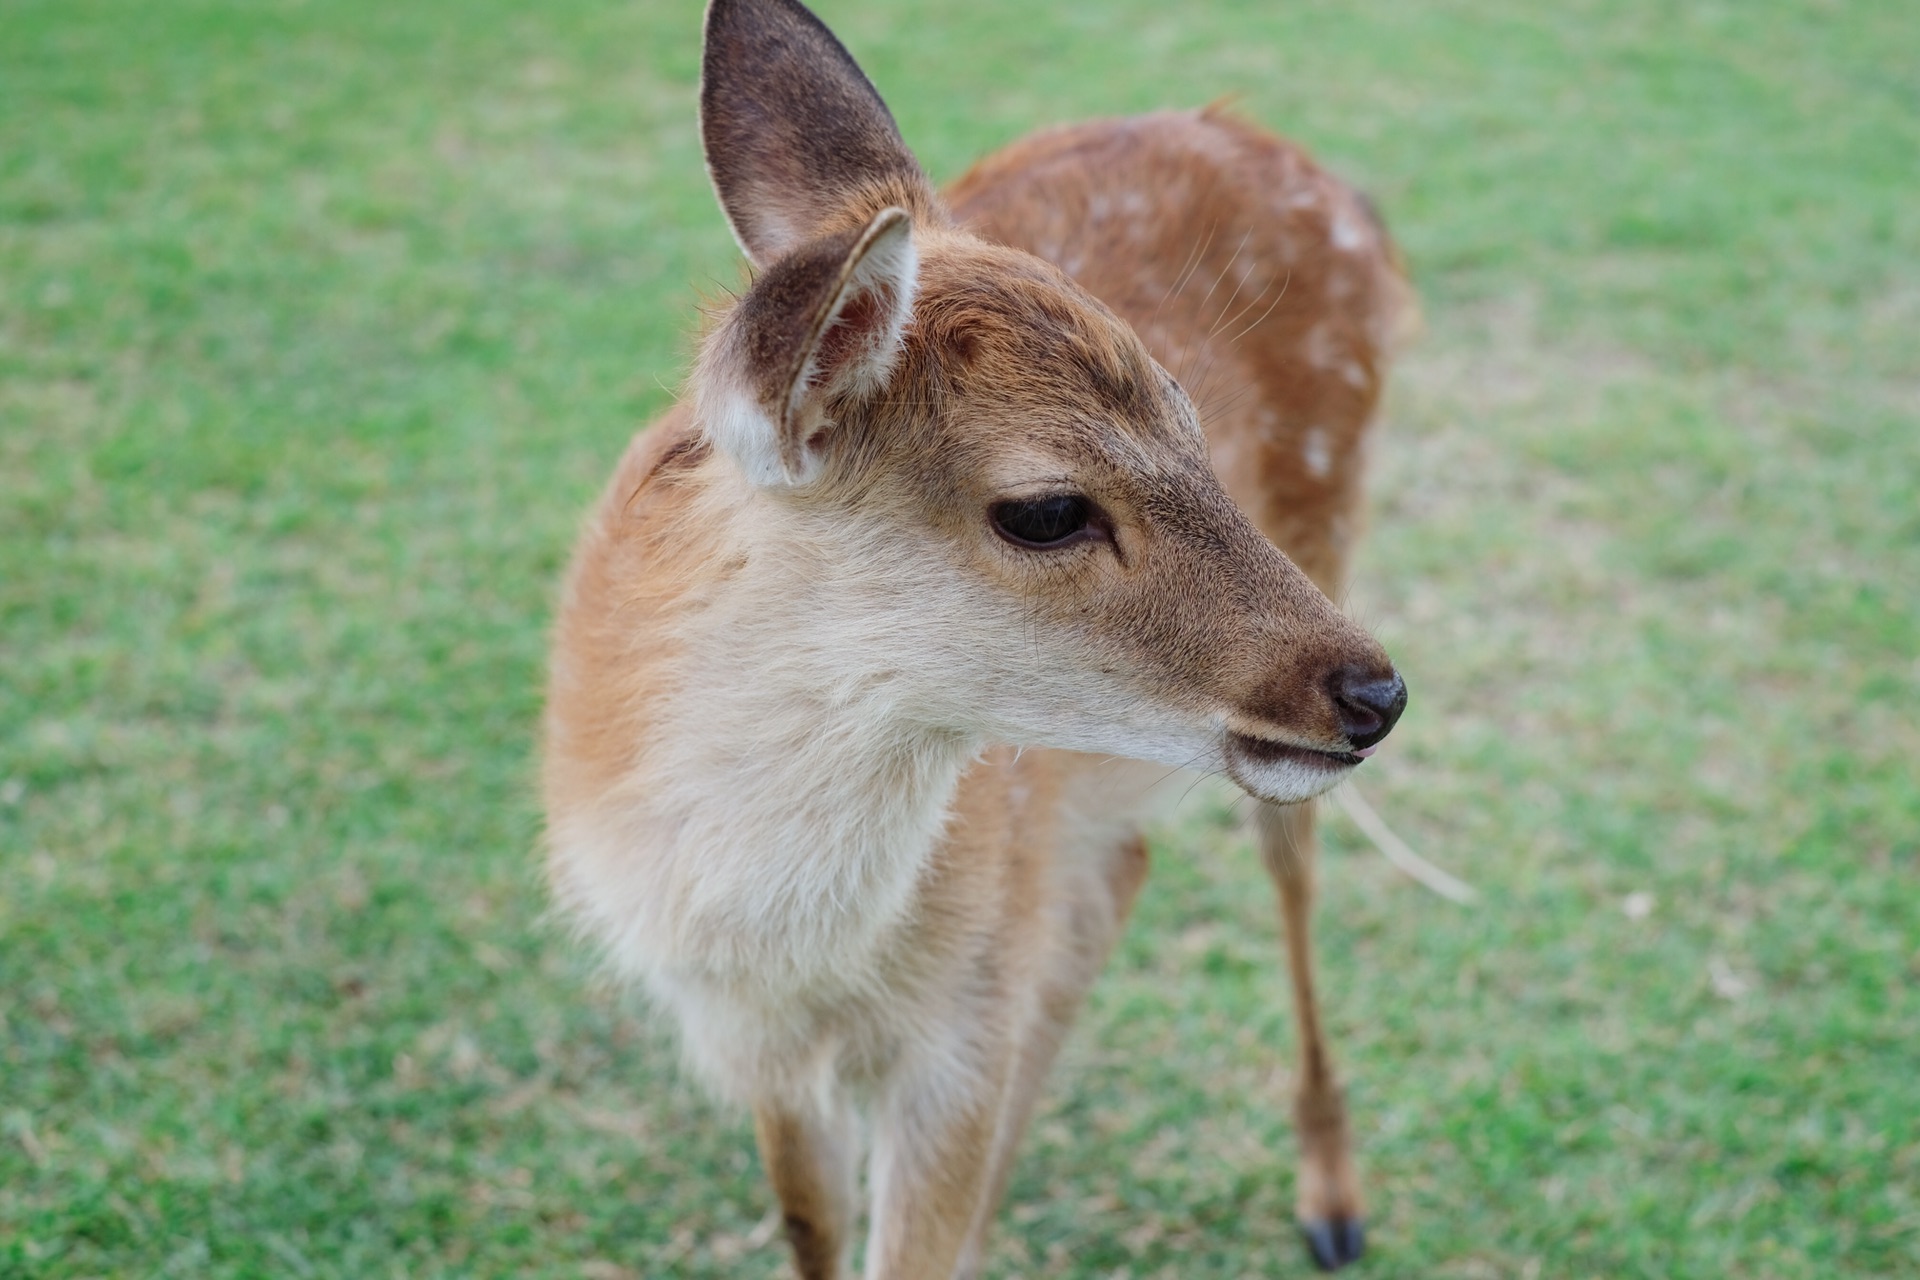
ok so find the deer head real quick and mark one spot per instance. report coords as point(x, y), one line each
point(999, 509)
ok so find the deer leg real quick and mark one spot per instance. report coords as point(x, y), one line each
point(810, 1157)
point(1327, 1201)
point(1098, 911)
point(933, 1136)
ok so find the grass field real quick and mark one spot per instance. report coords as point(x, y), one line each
point(321, 322)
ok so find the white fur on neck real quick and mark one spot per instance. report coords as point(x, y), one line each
point(767, 842)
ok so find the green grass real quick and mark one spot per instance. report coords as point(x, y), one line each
point(321, 322)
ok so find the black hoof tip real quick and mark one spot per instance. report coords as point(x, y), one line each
point(1335, 1242)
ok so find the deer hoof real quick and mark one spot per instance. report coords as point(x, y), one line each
point(1334, 1242)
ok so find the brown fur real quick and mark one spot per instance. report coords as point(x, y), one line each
point(1021, 372)
point(1301, 344)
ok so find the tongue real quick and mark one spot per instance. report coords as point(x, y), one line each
point(1364, 752)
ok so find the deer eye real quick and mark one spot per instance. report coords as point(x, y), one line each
point(1042, 522)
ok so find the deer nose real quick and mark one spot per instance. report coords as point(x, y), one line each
point(1368, 705)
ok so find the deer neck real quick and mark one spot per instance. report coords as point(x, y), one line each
point(790, 787)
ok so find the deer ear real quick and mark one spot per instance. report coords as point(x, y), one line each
point(797, 140)
point(823, 324)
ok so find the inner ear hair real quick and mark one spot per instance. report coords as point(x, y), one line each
point(825, 321)
point(797, 139)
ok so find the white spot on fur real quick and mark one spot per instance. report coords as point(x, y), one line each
point(1324, 349)
point(1321, 348)
point(1317, 452)
point(1348, 233)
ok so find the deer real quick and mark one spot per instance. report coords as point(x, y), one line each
point(878, 643)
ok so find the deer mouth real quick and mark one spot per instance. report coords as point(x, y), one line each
point(1284, 772)
point(1243, 748)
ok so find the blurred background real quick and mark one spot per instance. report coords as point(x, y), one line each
point(320, 324)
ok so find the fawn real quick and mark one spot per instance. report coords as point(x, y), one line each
point(874, 645)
